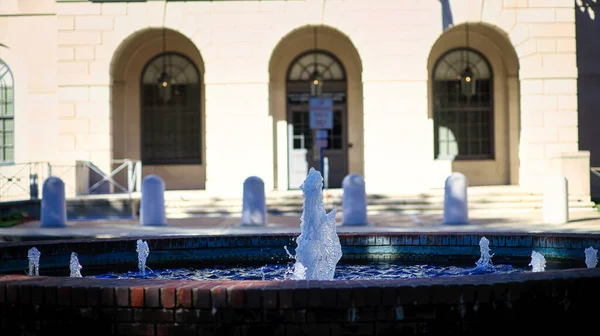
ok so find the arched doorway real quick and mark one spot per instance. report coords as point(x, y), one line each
point(170, 114)
point(302, 153)
point(166, 133)
point(463, 111)
point(330, 46)
point(476, 123)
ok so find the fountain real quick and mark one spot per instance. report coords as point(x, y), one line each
point(143, 252)
point(485, 261)
point(538, 262)
point(34, 261)
point(591, 257)
point(74, 266)
point(365, 290)
point(319, 248)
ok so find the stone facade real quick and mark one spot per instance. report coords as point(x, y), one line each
point(77, 66)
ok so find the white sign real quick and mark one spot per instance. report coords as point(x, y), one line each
point(321, 113)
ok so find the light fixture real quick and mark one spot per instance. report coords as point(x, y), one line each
point(316, 79)
point(164, 80)
point(467, 76)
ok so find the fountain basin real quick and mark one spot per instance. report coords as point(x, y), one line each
point(554, 300)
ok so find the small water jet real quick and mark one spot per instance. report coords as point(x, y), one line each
point(34, 261)
point(538, 262)
point(74, 266)
point(319, 248)
point(485, 261)
point(143, 252)
point(591, 257)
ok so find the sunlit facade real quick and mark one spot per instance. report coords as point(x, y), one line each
point(208, 93)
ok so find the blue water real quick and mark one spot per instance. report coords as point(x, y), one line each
point(342, 272)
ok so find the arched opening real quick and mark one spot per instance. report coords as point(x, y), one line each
point(294, 61)
point(162, 128)
point(302, 153)
point(463, 110)
point(476, 123)
point(7, 109)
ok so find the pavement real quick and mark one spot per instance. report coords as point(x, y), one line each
point(579, 222)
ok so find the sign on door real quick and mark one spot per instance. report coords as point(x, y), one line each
point(321, 113)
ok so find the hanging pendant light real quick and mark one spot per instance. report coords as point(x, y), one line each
point(164, 80)
point(467, 76)
point(316, 79)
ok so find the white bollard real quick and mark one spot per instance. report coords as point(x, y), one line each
point(254, 206)
point(556, 200)
point(152, 205)
point(354, 201)
point(456, 207)
point(54, 205)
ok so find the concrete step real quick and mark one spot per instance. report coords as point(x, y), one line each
point(476, 199)
point(533, 206)
point(190, 202)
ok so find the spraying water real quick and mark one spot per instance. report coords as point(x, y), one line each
point(485, 261)
point(319, 248)
point(538, 262)
point(75, 266)
point(143, 252)
point(591, 257)
point(34, 261)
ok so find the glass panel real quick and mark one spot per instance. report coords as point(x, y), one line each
point(9, 154)
point(181, 70)
point(451, 65)
point(8, 138)
point(8, 124)
point(6, 78)
point(302, 69)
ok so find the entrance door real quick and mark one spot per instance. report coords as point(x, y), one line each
point(302, 154)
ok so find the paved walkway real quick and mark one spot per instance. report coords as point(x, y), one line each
point(580, 222)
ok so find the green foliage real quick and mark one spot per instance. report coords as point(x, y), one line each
point(12, 219)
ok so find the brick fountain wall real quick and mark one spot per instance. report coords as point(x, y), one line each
point(549, 302)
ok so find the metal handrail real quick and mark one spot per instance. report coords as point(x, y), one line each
point(23, 180)
point(134, 172)
point(595, 171)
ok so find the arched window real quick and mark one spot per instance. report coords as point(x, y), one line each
point(171, 111)
point(7, 110)
point(463, 106)
point(303, 68)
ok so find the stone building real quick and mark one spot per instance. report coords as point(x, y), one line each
point(420, 88)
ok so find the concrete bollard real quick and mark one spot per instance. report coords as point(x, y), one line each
point(254, 206)
point(152, 205)
point(54, 205)
point(456, 207)
point(556, 200)
point(354, 201)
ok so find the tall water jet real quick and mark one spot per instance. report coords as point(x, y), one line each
point(143, 252)
point(591, 257)
point(74, 266)
point(538, 262)
point(34, 261)
point(319, 248)
point(485, 261)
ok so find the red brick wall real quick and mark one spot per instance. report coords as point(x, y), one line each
point(539, 302)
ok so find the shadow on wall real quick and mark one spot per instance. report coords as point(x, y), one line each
point(447, 18)
point(588, 86)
